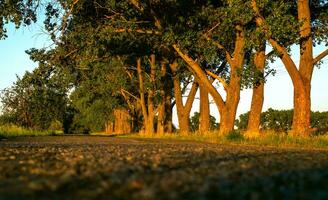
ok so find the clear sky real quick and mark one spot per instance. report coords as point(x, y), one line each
point(13, 59)
point(278, 89)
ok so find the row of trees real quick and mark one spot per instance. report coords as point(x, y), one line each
point(281, 121)
point(143, 55)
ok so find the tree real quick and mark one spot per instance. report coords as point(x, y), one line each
point(311, 18)
point(281, 121)
point(35, 100)
point(19, 12)
point(259, 61)
point(195, 123)
point(232, 46)
point(183, 111)
point(204, 111)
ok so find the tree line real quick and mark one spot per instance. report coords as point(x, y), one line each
point(147, 56)
point(281, 121)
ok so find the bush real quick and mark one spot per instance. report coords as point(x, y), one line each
point(234, 136)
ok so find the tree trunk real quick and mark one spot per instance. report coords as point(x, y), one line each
point(168, 114)
point(254, 118)
point(228, 108)
point(109, 127)
point(142, 97)
point(204, 110)
point(122, 121)
point(150, 101)
point(227, 119)
point(228, 116)
point(161, 118)
point(301, 77)
point(302, 96)
point(183, 111)
point(302, 111)
point(161, 106)
point(148, 114)
point(184, 124)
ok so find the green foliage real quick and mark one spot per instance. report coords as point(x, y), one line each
point(34, 101)
point(194, 122)
point(235, 136)
point(7, 131)
point(80, 81)
point(18, 12)
point(281, 121)
point(96, 97)
point(319, 121)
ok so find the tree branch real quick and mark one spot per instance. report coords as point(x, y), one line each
point(320, 56)
point(202, 77)
point(221, 80)
point(136, 4)
point(285, 57)
point(191, 97)
point(123, 91)
point(150, 32)
point(220, 46)
point(142, 90)
point(268, 55)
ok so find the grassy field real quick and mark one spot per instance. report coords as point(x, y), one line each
point(265, 139)
point(9, 131)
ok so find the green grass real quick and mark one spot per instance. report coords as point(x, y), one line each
point(8, 131)
point(237, 138)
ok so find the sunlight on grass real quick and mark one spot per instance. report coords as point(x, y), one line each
point(269, 138)
point(7, 131)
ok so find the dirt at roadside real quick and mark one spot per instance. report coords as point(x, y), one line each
point(93, 167)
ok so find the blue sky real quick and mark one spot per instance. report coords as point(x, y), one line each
point(13, 59)
point(278, 89)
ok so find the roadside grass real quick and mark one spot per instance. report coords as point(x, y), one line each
point(269, 138)
point(8, 131)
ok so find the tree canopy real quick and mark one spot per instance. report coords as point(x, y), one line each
point(141, 55)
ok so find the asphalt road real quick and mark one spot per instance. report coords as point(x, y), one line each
point(91, 167)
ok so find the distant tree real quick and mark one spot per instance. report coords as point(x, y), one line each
point(281, 121)
point(195, 125)
point(96, 97)
point(277, 120)
point(34, 101)
point(319, 121)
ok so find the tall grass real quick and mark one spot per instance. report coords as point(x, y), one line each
point(269, 138)
point(7, 131)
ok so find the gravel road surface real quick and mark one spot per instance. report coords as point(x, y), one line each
point(93, 167)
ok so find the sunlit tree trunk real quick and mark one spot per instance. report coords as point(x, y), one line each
point(302, 91)
point(227, 119)
point(228, 114)
point(168, 113)
point(161, 107)
point(254, 118)
point(204, 110)
point(301, 77)
point(183, 111)
point(147, 111)
point(227, 108)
